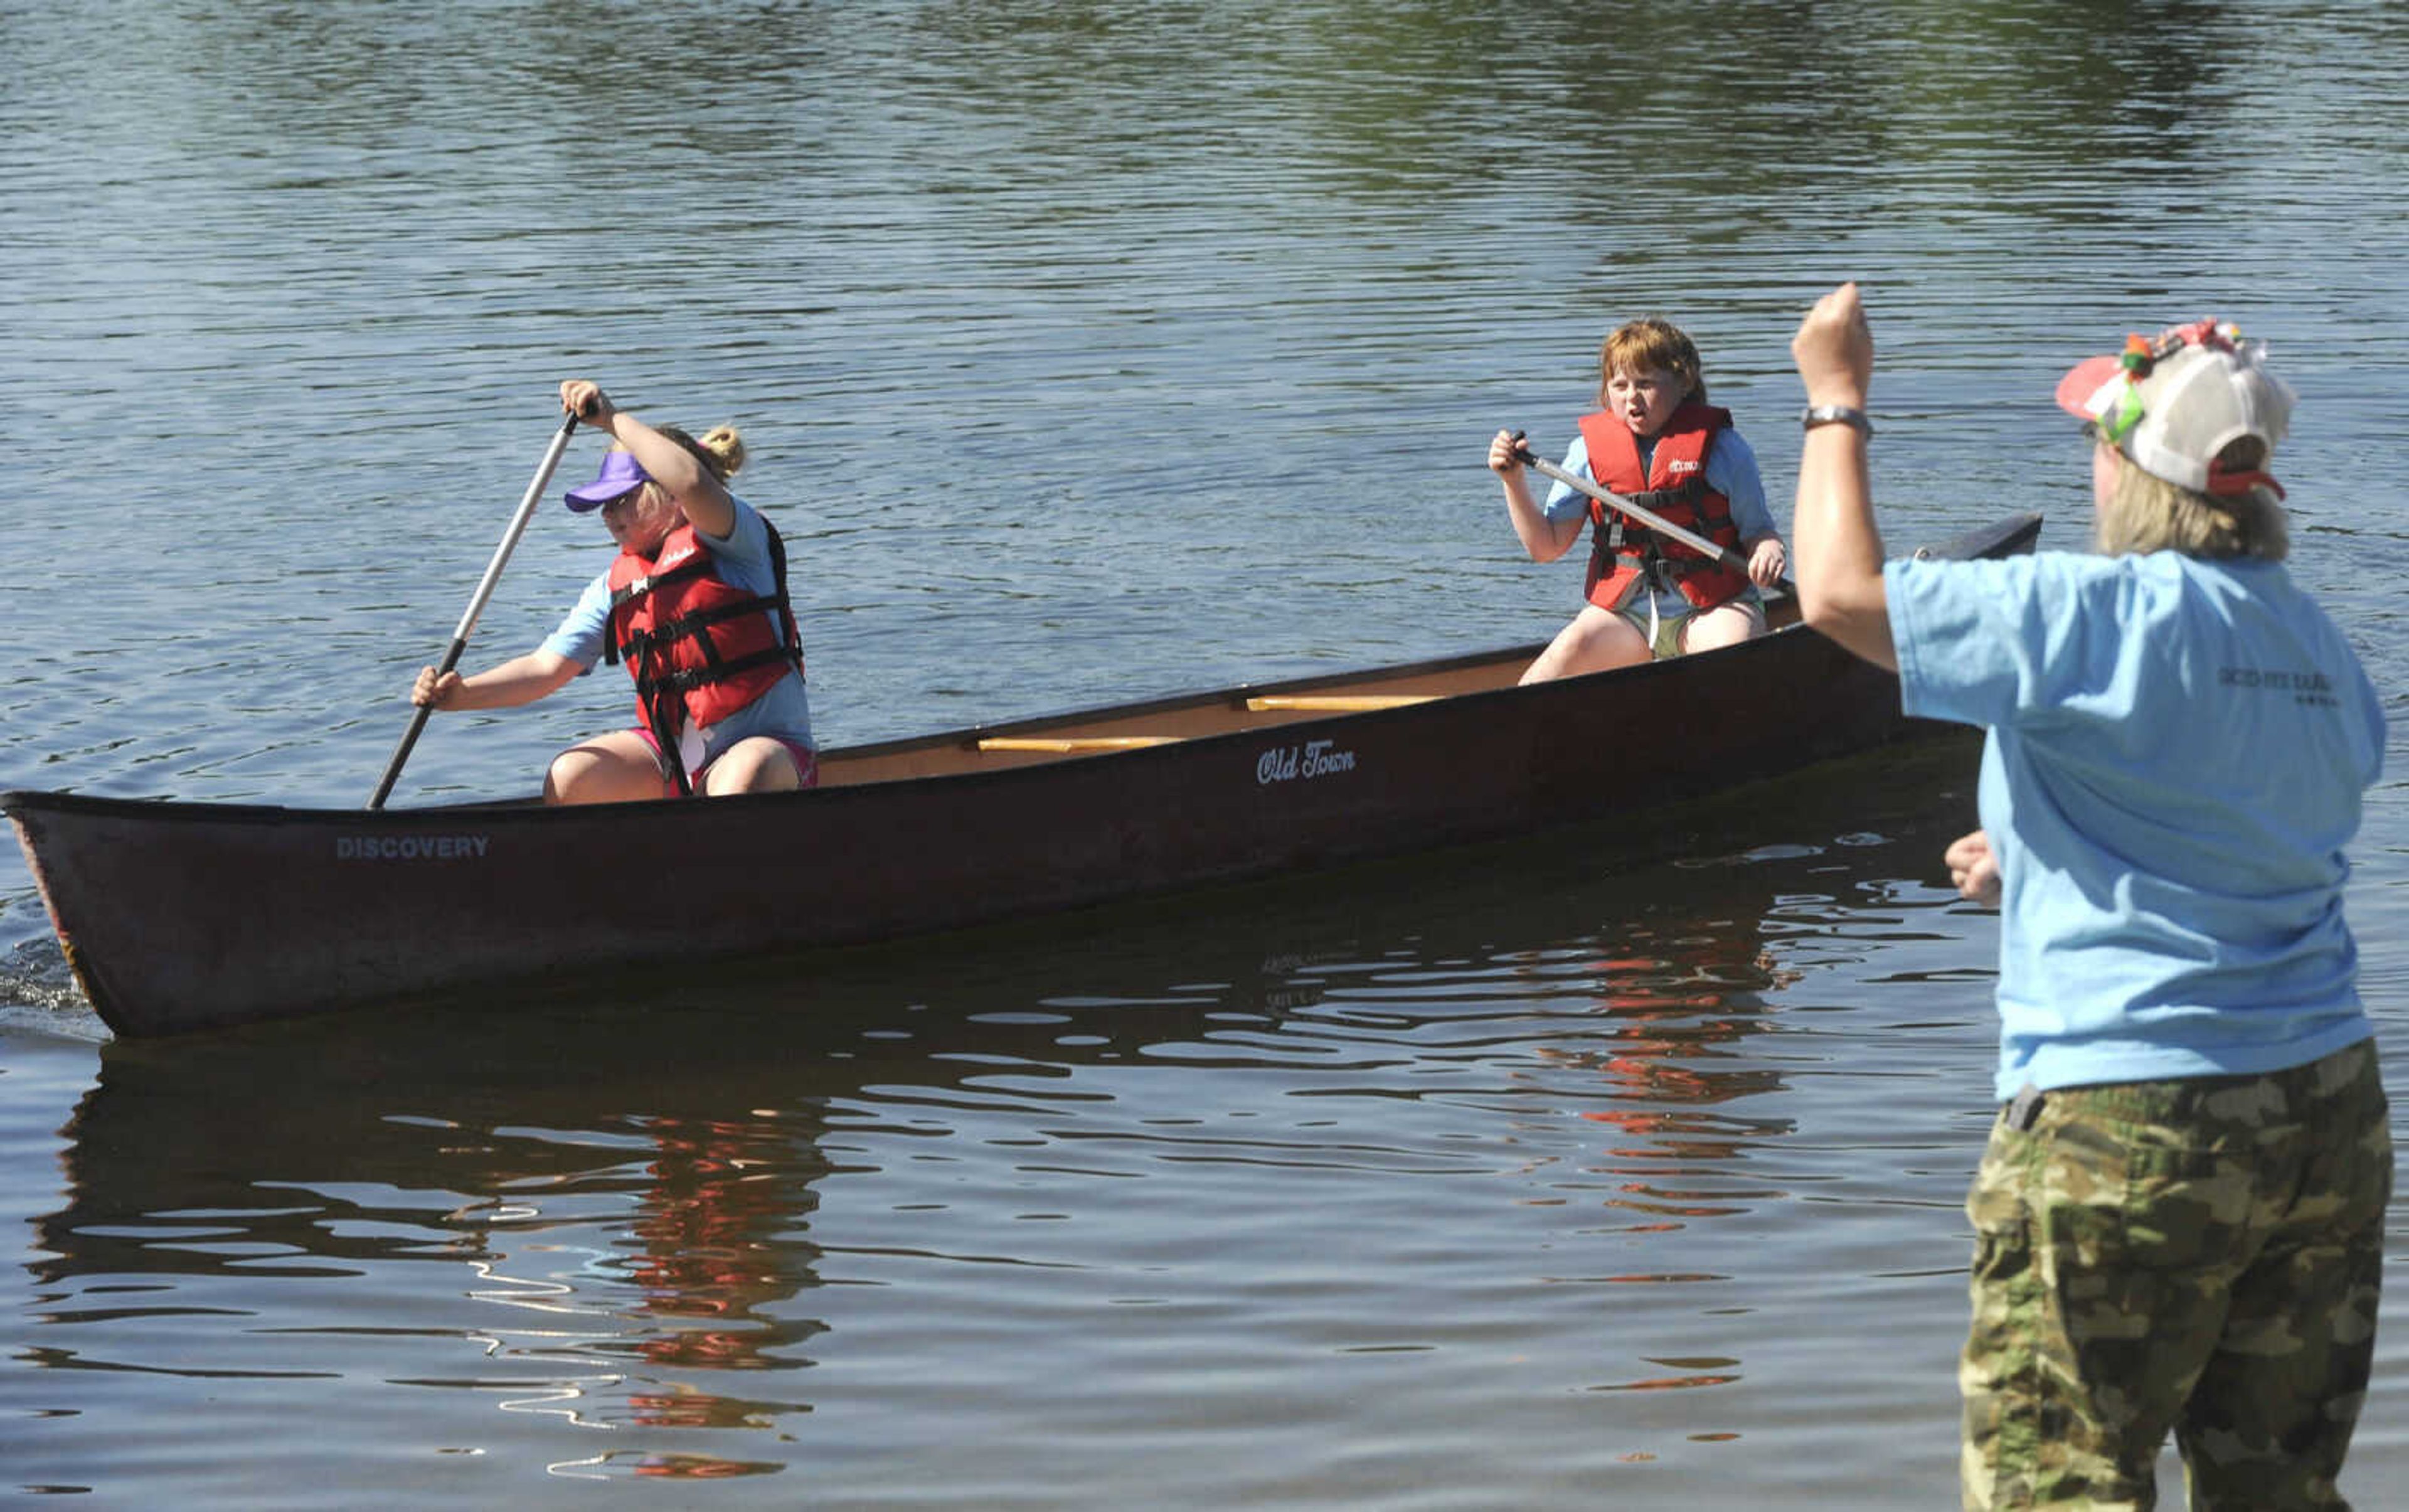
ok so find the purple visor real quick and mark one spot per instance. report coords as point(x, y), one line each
point(621, 474)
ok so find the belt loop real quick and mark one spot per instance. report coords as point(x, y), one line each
point(2025, 1110)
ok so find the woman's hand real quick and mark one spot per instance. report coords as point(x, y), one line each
point(433, 691)
point(1835, 350)
point(1768, 562)
point(1974, 869)
point(1502, 460)
point(584, 399)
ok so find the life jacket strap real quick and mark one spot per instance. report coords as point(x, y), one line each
point(686, 680)
point(1660, 499)
point(665, 716)
point(694, 566)
point(691, 625)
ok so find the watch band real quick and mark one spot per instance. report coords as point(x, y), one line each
point(1836, 414)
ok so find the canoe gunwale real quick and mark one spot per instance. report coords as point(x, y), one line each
point(2013, 532)
point(170, 810)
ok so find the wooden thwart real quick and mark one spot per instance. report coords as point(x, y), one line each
point(1063, 744)
point(1337, 704)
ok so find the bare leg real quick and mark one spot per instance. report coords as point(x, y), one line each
point(617, 768)
point(1725, 624)
point(1597, 640)
point(756, 765)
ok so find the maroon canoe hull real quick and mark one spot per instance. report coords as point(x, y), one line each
point(183, 916)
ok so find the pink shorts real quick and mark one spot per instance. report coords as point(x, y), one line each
point(807, 761)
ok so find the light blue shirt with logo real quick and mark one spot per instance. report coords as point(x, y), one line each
point(2176, 752)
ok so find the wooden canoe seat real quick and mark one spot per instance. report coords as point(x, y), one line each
point(1065, 744)
point(1336, 703)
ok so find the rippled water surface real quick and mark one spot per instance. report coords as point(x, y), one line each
point(1085, 353)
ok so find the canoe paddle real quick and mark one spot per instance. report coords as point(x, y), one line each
point(477, 603)
point(1724, 555)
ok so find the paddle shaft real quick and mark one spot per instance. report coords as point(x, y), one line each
point(477, 603)
point(1653, 521)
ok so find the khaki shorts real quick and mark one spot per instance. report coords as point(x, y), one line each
point(1667, 641)
point(2197, 1256)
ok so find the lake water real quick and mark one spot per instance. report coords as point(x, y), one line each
point(1085, 353)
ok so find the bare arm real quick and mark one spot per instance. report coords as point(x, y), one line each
point(1840, 574)
point(1545, 540)
point(703, 497)
point(519, 680)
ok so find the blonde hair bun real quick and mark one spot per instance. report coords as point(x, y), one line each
point(723, 442)
point(721, 451)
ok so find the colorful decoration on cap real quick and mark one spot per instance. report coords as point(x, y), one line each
point(2124, 412)
point(2117, 417)
point(2183, 416)
point(2142, 353)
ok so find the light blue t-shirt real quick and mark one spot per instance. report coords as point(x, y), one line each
point(742, 560)
point(2176, 752)
point(1730, 471)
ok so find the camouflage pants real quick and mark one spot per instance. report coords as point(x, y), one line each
point(2201, 1257)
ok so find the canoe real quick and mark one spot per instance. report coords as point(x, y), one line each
point(177, 917)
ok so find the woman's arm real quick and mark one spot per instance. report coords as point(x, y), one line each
point(1839, 572)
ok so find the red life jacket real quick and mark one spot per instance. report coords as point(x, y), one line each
point(699, 648)
point(1622, 550)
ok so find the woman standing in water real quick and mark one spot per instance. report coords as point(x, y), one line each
point(2179, 1219)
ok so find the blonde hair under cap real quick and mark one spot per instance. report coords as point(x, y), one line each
point(2194, 417)
point(2143, 512)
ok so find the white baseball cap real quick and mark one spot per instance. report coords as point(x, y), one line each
point(2172, 403)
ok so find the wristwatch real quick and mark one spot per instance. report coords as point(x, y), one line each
point(1836, 414)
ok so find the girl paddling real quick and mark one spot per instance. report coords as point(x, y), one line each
point(1656, 440)
point(696, 606)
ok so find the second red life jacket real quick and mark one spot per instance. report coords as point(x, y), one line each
point(1673, 486)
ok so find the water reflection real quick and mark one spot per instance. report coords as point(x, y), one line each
point(662, 1209)
point(1677, 1017)
point(722, 1192)
point(599, 1197)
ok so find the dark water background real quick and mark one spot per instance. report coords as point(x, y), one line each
point(1086, 352)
